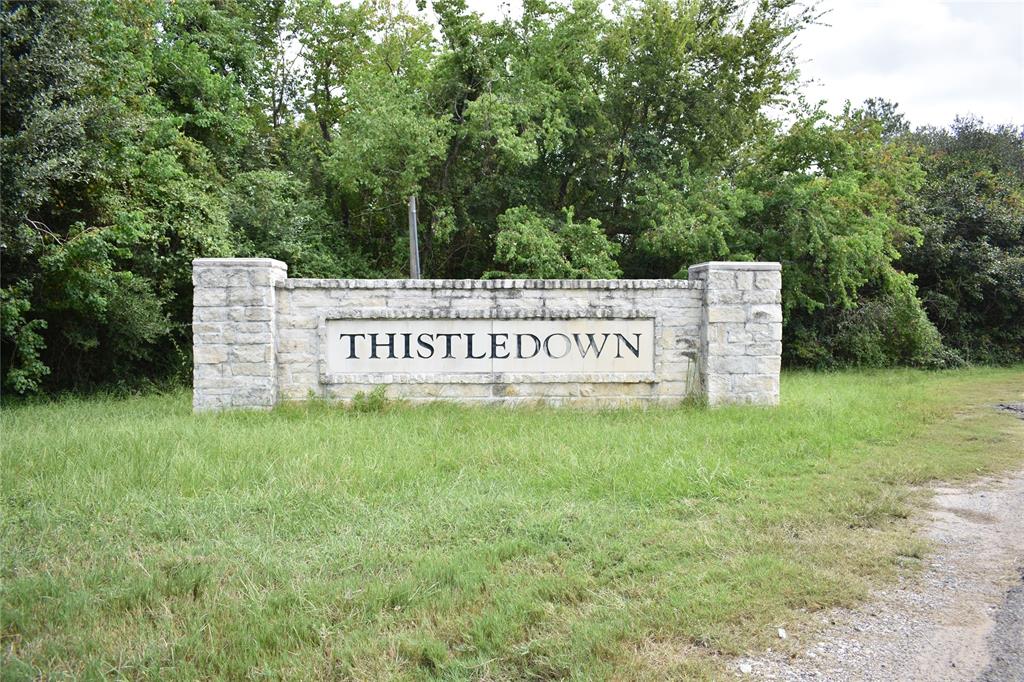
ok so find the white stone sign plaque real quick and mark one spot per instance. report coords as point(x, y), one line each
point(443, 346)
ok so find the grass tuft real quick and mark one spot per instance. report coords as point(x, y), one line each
point(396, 542)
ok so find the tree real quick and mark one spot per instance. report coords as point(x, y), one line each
point(970, 263)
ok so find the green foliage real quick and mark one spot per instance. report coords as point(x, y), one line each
point(887, 331)
point(274, 214)
point(970, 264)
point(104, 218)
point(825, 198)
point(831, 194)
point(375, 401)
point(577, 140)
point(531, 247)
point(21, 340)
point(528, 246)
point(691, 220)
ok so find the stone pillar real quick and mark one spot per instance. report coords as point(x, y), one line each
point(233, 332)
point(740, 342)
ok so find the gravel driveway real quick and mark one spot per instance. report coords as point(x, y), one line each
point(962, 619)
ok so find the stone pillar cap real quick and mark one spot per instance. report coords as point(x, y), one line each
point(239, 263)
point(737, 265)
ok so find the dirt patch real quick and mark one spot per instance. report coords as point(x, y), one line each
point(1006, 640)
point(1012, 408)
point(962, 618)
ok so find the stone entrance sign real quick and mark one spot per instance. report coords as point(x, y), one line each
point(260, 337)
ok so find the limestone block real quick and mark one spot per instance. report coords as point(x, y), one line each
point(313, 298)
point(760, 384)
point(732, 364)
point(674, 356)
point(241, 277)
point(765, 313)
point(209, 400)
point(766, 348)
point(760, 332)
point(743, 315)
point(207, 327)
point(252, 369)
point(768, 280)
point(727, 296)
point(257, 397)
point(250, 296)
point(767, 364)
point(208, 372)
point(210, 354)
point(288, 360)
point(260, 277)
point(721, 279)
point(762, 296)
point(299, 346)
point(679, 389)
point(547, 390)
point(255, 353)
point(727, 313)
point(717, 385)
point(207, 296)
point(213, 337)
point(740, 336)
point(233, 331)
point(209, 277)
point(359, 299)
point(211, 314)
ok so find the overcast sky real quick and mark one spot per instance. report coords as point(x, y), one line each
point(936, 58)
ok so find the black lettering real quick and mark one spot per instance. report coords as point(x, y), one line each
point(408, 342)
point(591, 344)
point(519, 346)
point(547, 346)
point(623, 340)
point(425, 344)
point(469, 348)
point(352, 344)
point(374, 345)
point(447, 343)
point(495, 346)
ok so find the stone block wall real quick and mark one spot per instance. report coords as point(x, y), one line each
point(260, 337)
point(674, 305)
point(234, 332)
point(740, 344)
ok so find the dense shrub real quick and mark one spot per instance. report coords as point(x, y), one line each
point(970, 264)
point(530, 246)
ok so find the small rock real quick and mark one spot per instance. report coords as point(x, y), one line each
point(782, 633)
point(746, 668)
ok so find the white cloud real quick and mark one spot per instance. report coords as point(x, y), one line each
point(937, 59)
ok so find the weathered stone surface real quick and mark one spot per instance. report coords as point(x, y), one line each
point(740, 347)
point(234, 331)
point(260, 337)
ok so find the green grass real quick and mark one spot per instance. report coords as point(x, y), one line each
point(141, 541)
